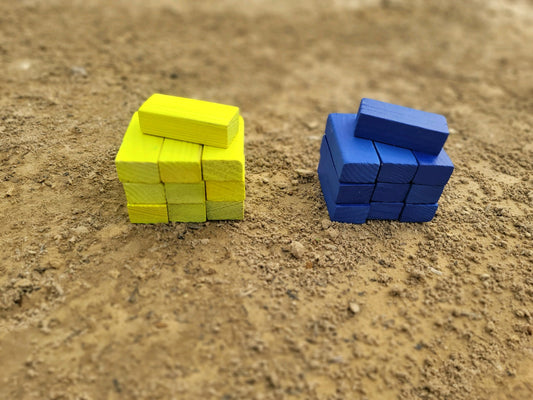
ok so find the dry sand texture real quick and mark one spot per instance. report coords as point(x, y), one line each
point(286, 304)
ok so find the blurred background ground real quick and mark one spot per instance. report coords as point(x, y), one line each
point(284, 304)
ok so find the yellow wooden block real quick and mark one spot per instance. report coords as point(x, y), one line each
point(145, 193)
point(190, 120)
point(219, 210)
point(185, 193)
point(136, 160)
point(225, 190)
point(180, 162)
point(148, 213)
point(186, 212)
point(225, 164)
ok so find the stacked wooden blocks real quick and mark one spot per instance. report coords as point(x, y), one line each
point(182, 160)
point(385, 162)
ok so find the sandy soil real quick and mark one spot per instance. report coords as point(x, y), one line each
point(286, 304)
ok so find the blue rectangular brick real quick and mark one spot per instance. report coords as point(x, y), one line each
point(433, 170)
point(355, 159)
point(418, 212)
point(351, 213)
point(398, 165)
point(385, 210)
point(424, 194)
point(390, 192)
point(344, 193)
point(401, 126)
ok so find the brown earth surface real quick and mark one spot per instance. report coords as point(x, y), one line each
point(285, 304)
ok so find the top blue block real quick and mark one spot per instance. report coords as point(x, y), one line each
point(355, 159)
point(401, 126)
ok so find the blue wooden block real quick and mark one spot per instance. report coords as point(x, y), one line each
point(398, 165)
point(424, 194)
point(401, 126)
point(418, 212)
point(433, 170)
point(355, 159)
point(343, 193)
point(390, 192)
point(351, 213)
point(385, 210)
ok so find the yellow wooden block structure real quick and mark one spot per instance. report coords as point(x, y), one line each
point(224, 210)
point(148, 213)
point(225, 164)
point(180, 162)
point(185, 193)
point(225, 190)
point(137, 157)
point(145, 193)
point(189, 120)
point(187, 212)
point(185, 180)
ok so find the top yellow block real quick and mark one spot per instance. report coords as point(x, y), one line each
point(189, 120)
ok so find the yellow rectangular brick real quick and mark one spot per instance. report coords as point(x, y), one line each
point(185, 193)
point(225, 164)
point(145, 193)
point(180, 162)
point(136, 160)
point(186, 212)
point(189, 120)
point(148, 213)
point(223, 210)
point(225, 190)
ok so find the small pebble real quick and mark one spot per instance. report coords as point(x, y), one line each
point(354, 307)
point(297, 249)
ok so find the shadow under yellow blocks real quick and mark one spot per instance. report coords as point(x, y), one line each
point(180, 181)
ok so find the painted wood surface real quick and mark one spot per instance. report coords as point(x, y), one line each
point(148, 213)
point(225, 210)
point(401, 126)
point(225, 164)
point(187, 212)
point(137, 157)
point(145, 193)
point(398, 165)
point(189, 120)
point(180, 162)
point(225, 190)
point(185, 193)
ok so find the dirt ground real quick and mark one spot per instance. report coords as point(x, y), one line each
point(285, 304)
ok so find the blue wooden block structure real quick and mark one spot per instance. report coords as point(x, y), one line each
point(387, 162)
point(355, 159)
point(401, 126)
point(341, 193)
point(398, 165)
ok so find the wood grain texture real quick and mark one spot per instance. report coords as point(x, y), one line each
point(390, 192)
point(418, 212)
point(187, 212)
point(424, 194)
point(355, 159)
point(225, 190)
point(225, 210)
point(180, 162)
point(225, 164)
point(433, 170)
point(387, 211)
point(148, 213)
point(185, 193)
point(137, 157)
point(145, 193)
point(189, 120)
point(350, 213)
point(398, 165)
point(401, 126)
point(341, 193)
